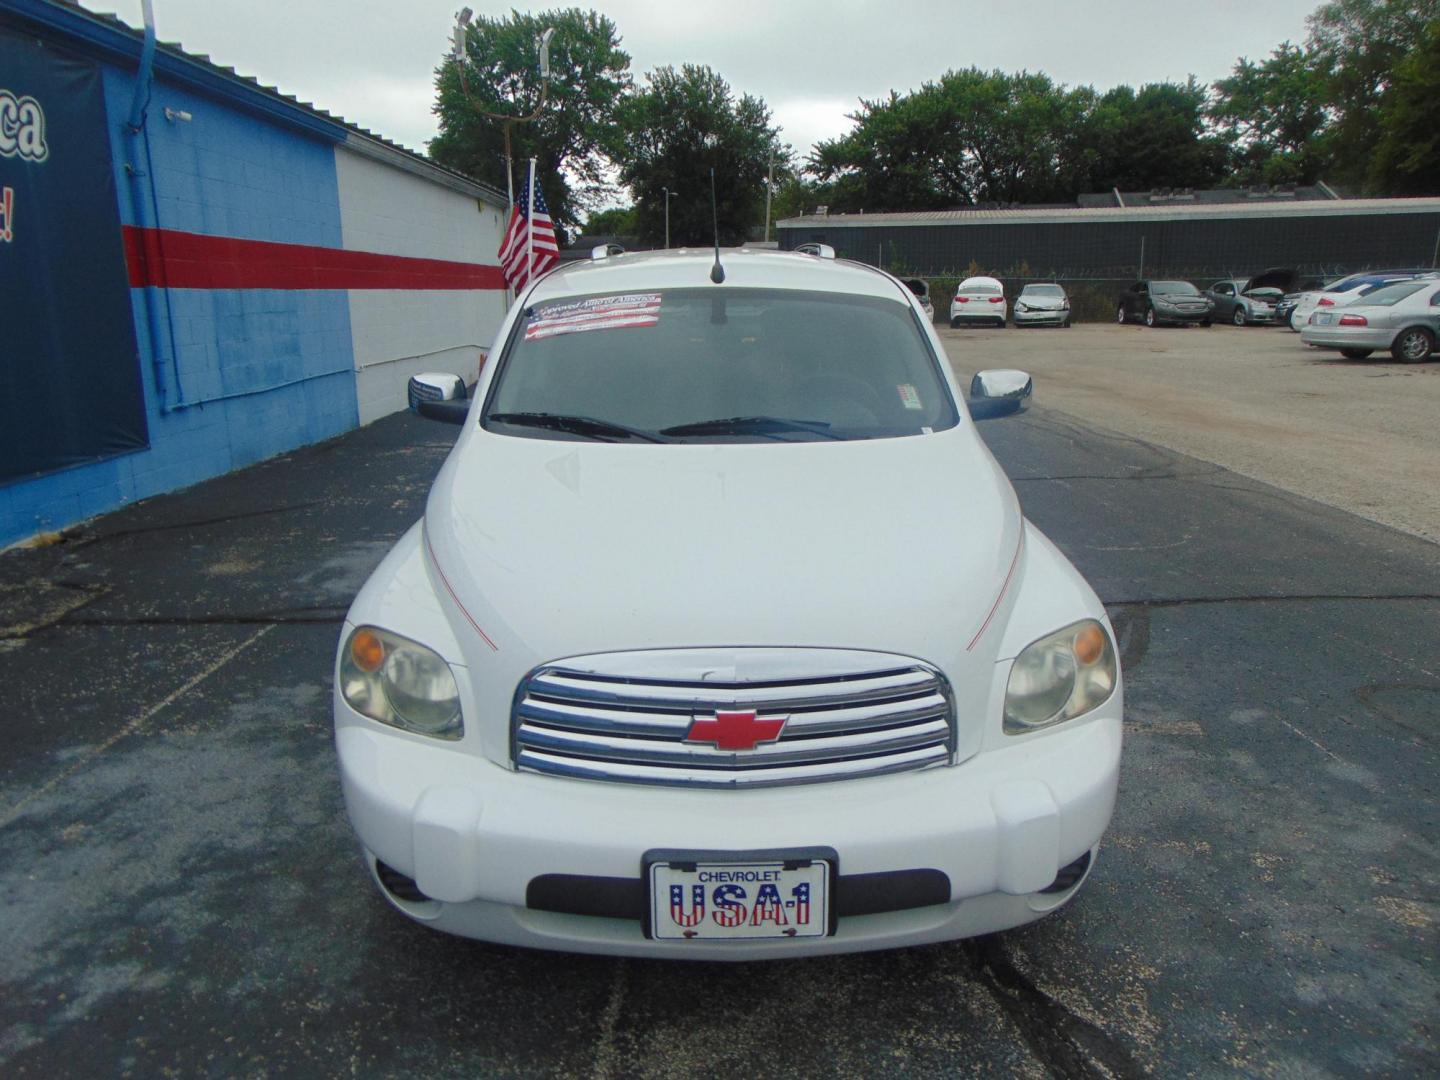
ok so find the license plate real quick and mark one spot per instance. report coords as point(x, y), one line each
point(709, 899)
point(1324, 319)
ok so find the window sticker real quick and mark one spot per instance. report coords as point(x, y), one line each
point(909, 397)
point(597, 313)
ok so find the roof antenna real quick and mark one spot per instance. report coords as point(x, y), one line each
point(717, 272)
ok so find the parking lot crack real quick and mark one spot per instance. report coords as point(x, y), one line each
point(1262, 598)
point(1067, 1044)
point(78, 538)
point(288, 617)
point(606, 1051)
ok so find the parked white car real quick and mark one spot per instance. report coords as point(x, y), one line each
point(1344, 291)
point(1042, 304)
point(723, 635)
point(1403, 317)
point(979, 301)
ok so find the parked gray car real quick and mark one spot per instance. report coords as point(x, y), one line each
point(1403, 317)
point(1236, 302)
point(1041, 304)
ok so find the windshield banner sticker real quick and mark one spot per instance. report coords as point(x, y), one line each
point(909, 397)
point(597, 313)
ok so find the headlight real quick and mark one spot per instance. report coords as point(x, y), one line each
point(1060, 677)
point(1021, 306)
point(400, 682)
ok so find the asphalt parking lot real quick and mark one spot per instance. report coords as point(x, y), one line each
point(182, 895)
point(1363, 435)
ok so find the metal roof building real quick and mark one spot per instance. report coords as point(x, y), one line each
point(1171, 236)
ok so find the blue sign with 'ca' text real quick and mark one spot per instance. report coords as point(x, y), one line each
point(69, 376)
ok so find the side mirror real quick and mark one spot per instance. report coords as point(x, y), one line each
point(435, 386)
point(447, 412)
point(999, 392)
point(439, 395)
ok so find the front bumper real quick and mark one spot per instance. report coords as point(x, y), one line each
point(1041, 317)
point(1170, 315)
point(474, 836)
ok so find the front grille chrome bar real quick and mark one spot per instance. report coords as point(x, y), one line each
point(625, 716)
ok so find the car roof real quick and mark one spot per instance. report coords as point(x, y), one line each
point(1044, 285)
point(645, 271)
point(981, 279)
point(1370, 277)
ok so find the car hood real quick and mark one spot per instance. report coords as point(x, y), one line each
point(555, 548)
point(1041, 303)
point(1278, 277)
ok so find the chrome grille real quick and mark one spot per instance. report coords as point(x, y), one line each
point(423, 392)
point(625, 716)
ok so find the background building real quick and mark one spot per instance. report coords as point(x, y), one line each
point(1119, 236)
point(199, 272)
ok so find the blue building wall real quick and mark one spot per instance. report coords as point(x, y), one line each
point(248, 373)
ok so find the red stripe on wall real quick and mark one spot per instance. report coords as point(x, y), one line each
point(170, 259)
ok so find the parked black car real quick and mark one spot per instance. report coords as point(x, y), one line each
point(1154, 302)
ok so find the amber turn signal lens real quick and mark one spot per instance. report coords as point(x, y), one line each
point(367, 650)
point(1089, 644)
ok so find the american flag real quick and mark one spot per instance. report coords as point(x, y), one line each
point(529, 246)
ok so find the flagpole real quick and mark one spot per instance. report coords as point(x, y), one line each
point(530, 226)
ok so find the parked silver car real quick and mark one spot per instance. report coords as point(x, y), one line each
point(1042, 304)
point(1235, 302)
point(1403, 317)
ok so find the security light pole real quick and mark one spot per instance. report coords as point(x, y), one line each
point(668, 196)
point(769, 186)
point(462, 24)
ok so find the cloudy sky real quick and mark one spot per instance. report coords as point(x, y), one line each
point(373, 62)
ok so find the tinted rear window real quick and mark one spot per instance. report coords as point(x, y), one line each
point(860, 366)
point(979, 287)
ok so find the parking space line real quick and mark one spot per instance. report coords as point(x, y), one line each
point(134, 725)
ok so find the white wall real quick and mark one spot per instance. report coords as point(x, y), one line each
point(396, 332)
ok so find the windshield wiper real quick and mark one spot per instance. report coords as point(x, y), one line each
point(751, 425)
point(575, 425)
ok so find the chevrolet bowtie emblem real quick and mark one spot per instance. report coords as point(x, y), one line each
point(735, 729)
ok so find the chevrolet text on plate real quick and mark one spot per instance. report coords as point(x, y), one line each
point(723, 635)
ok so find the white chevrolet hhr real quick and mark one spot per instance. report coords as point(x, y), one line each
point(723, 635)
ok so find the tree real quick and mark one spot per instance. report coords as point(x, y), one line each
point(683, 124)
point(979, 137)
point(971, 137)
point(1407, 157)
point(1153, 138)
point(1275, 114)
point(1357, 46)
point(572, 139)
point(616, 221)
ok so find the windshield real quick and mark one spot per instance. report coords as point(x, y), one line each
point(749, 365)
point(1181, 288)
point(985, 288)
point(1386, 295)
point(1042, 290)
